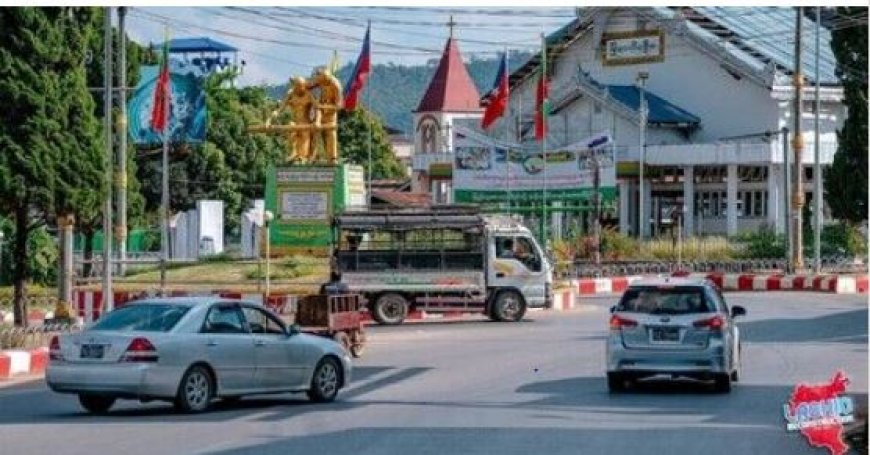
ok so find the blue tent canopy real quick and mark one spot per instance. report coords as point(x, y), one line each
point(661, 110)
point(202, 44)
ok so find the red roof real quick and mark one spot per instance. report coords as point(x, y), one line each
point(403, 199)
point(451, 88)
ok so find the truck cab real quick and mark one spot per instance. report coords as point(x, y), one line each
point(440, 260)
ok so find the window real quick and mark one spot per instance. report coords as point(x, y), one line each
point(673, 300)
point(142, 317)
point(261, 322)
point(224, 319)
point(758, 203)
point(504, 248)
point(526, 253)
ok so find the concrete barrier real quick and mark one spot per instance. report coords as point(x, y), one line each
point(837, 284)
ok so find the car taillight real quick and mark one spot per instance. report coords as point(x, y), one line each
point(54, 349)
point(140, 350)
point(716, 323)
point(617, 322)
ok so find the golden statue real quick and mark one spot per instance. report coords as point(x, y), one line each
point(327, 111)
point(309, 117)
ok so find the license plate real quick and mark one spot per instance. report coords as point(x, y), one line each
point(666, 334)
point(92, 351)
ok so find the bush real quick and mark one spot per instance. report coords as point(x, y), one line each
point(617, 246)
point(841, 239)
point(764, 243)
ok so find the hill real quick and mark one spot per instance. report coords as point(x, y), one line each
point(396, 89)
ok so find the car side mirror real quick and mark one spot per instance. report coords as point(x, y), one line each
point(737, 310)
point(294, 329)
point(613, 309)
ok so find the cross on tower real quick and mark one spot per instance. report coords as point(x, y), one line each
point(451, 23)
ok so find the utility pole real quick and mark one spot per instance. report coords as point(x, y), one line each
point(786, 193)
point(817, 168)
point(641, 221)
point(121, 177)
point(797, 198)
point(108, 304)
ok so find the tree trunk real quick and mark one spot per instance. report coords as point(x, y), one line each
point(19, 266)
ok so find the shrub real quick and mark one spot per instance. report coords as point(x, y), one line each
point(841, 239)
point(764, 243)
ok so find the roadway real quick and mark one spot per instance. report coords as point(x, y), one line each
point(480, 387)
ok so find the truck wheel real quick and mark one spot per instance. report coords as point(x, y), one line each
point(390, 309)
point(508, 306)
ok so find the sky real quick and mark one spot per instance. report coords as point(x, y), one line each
point(278, 42)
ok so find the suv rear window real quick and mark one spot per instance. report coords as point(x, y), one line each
point(142, 317)
point(665, 300)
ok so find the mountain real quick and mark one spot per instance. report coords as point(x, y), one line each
point(395, 90)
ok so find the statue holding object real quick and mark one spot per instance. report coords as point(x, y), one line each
point(310, 117)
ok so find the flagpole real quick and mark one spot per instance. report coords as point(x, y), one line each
point(507, 156)
point(544, 221)
point(369, 123)
point(164, 196)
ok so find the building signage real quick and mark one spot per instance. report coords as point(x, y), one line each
point(488, 171)
point(304, 206)
point(627, 48)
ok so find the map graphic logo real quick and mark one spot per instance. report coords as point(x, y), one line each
point(819, 411)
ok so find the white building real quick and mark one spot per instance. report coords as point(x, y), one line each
point(718, 90)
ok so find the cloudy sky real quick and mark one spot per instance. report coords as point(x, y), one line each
point(277, 42)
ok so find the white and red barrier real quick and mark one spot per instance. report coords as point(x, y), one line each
point(838, 284)
point(17, 362)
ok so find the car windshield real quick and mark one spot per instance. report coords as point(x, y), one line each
point(665, 300)
point(142, 317)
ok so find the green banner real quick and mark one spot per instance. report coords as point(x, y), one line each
point(608, 196)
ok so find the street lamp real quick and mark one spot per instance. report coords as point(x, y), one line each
point(267, 219)
point(2, 236)
point(641, 87)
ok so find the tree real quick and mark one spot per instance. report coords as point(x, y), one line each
point(846, 180)
point(50, 152)
point(353, 144)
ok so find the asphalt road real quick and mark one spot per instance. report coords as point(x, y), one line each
point(488, 388)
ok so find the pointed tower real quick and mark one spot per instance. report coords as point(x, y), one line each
point(451, 95)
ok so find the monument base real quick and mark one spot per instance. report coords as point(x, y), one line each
point(304, 199)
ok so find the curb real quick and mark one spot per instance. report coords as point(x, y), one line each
point(837, 284)
point(19, 362)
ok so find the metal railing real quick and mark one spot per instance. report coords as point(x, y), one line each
point(587, 269)
point(32, 337)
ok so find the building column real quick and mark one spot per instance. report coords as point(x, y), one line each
point(688, 200)
point(624, 195)
point(775, 208)
point(731, 205)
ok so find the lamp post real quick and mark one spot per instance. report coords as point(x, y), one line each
point(2, 237)
point(267, 219)
point(641, 86)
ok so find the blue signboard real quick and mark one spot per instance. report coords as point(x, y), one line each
point(187, 121)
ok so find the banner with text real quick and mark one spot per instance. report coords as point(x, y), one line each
point(488, 171)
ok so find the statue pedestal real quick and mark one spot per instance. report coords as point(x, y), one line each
point(304, 200)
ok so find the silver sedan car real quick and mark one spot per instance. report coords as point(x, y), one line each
point(676, 327)
point(191, 351)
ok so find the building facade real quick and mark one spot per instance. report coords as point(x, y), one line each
point(717, 85)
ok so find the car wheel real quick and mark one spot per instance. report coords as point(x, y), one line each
point(508, 307)
point(722, 383)
point(615, 383)
point(96, 404)
point(325, 381)
point(390, 309)
point(195, 391)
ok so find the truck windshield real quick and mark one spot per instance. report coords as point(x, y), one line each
point(520, 248)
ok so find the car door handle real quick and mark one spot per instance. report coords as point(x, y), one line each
point(499, 275)
point(211, 343)
point(259, 343)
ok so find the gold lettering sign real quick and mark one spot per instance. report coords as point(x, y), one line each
point(629, 48)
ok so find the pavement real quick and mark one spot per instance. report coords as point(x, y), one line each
point(480, 387)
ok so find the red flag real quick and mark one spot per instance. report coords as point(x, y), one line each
point(160, 110)
point(361, 70)
point(499, 99)
point(542, 103)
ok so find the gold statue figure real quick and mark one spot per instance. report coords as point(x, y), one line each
point(309, 117)
point(327, 118)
